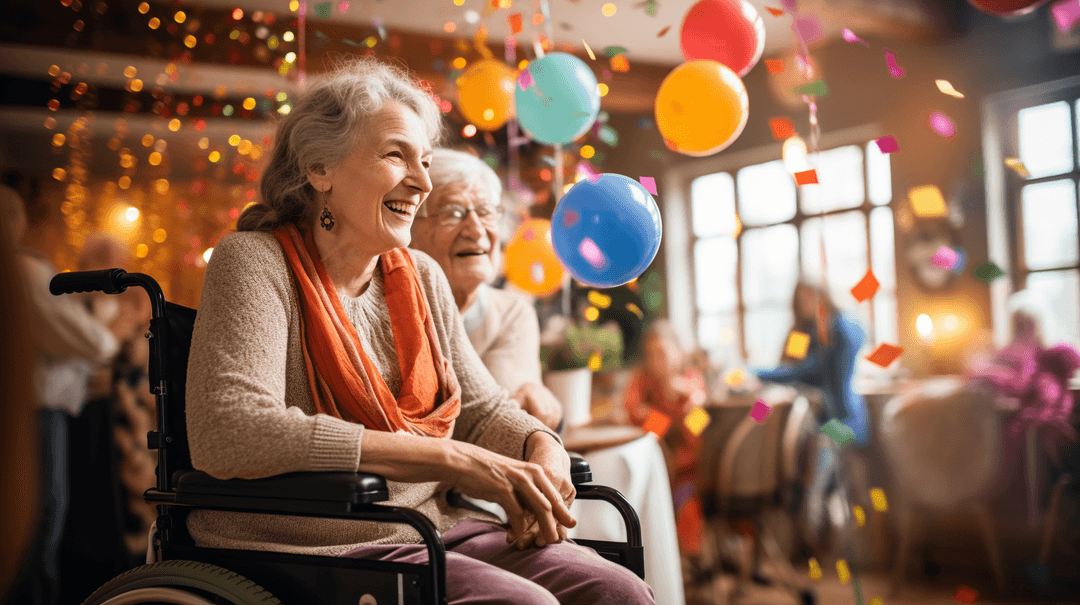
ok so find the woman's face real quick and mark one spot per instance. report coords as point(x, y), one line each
point(662, 357)
point(806, 304)
point(375, 192)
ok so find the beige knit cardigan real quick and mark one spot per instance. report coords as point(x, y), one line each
point(250, 413)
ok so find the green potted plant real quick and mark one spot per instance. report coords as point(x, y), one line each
point(569, 358)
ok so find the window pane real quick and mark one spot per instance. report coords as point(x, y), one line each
point(840, 174)
point(1046, 145)
point(883, 247)
point(770, 265)
point(718, 334)
point(885, 318)
point(766, 194)
point(1061, 291)
point(766, 330)
point(845, 253)
point(713, 204)
point(1050, 228)
point(879, 171)
point(714, 275)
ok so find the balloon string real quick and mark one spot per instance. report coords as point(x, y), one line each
point(301, 55)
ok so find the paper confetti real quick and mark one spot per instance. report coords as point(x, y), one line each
point(888, 144)
point(877, 498)
point(1018, 166)
point(806, 177)
point(945, 257)
point(988, 272)
point(927, 201)
point(877, 601)
point(525, 79)
point(735, 377)
point(815, 569)
point(965, 595)
point(775, 66)
point(849, 36)
point(866, 288)
point(843, 571)
point(760, 411)
point(613, 51)
point(808, 29)
point(774, 11)
point(697, 420)
point(660, 34)
point(657, 423)
point(838, 431)
point(797, 345)
point(323, 10)
point(942, 124)
point(588, 50)
point(894, 70)
point(590, 172)
point(620, 64)
point(885, 354)
point(817, 88)
point(782, 128)
point(515, 23)
point(860, 515)
point(1066, 14)
point(599, 299)
point(649, 183)
point(946, 87)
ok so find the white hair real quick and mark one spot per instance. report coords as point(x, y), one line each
point(449, 166)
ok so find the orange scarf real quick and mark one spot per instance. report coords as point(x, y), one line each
point(343, 379)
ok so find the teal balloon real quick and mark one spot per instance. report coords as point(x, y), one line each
point(562, 101)
point(606, 233)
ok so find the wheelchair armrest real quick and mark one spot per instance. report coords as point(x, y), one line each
point(353, 488)
point(580, 471)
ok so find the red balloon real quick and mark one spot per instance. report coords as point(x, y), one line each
point(1006, 8)
point(728, 31)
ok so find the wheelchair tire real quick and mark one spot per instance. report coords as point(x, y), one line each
point(197, 579)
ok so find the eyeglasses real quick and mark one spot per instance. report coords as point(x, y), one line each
point(452, 215)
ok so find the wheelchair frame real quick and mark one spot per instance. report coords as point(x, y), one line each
point(343, 495)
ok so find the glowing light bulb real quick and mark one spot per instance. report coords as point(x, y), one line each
point(924, 325)
point(131, 214)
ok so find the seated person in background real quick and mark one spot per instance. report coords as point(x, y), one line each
point(323, 344)
point(665, 387)
point(1033, 379)
point(458, 227)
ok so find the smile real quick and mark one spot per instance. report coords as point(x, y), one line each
point(471, 253)
point(400, 208)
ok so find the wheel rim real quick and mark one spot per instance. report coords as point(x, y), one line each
point(157, 594)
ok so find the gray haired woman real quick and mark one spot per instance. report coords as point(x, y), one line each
point(323, 344)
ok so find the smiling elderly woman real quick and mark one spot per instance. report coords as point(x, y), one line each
point(322, 344)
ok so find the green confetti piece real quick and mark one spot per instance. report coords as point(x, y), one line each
point(323, 10)
point(838, 431)
point(988, 272)
point(650, 8)
point(322, 36)
point(656, 154)
point(817, 88)
point(612, 51)
point(350, 42)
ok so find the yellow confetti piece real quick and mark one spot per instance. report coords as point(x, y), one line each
point(735, 377)
point(860, 515)
point(797, 345)
point(600, 300)
point(636, 310)
point(1018, 167)
point(946, 87)
point(697, 420)
point(815, 569)
point(877, 496)
point(927, 201)
point(843, 571)
point(594, 361)
point(588, 50)
point(877, 601)
point(738, 227)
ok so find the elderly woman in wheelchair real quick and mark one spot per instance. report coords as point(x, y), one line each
point(323, 346)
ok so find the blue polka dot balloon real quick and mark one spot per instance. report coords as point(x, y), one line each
point(606, 230)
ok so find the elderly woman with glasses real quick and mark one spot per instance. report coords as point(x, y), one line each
point(323, 344)
point(459, 227)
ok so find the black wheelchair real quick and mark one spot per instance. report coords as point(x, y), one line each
point(186, 574)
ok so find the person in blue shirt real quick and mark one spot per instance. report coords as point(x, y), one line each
point(829, 364)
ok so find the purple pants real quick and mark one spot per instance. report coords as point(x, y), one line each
point(482, 569)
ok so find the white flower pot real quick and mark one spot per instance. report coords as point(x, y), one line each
point(573, 388)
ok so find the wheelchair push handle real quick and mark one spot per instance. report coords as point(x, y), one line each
point(105, 280)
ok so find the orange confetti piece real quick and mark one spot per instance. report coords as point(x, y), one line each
point(885, 354)
point(774, 11)
point(657, 423)
point(965, 595)
point(661, 33)
point(782, 128)
point(775, 66)
point(867, 287)
point(515, 23)
point(620, 64)
point(806, 177)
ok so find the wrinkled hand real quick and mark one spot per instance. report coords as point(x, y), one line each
point(540, 403)
point(525, 490)
point(549, 455)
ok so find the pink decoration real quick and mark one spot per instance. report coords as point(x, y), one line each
point(591, 253)
point(590, 172)
point(942, 124)
point(945, 257)
point(789, 5)
point(1066, 14)
point(649, 183)
point(760, 411)
point(343, 7)
point(849, 36)
point(894, 70)
point(570, 218)
point(525, 79)
point(887, 144)
point(808, 29)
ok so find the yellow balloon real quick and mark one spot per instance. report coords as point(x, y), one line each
point(486, 94)
point(531, 264)
point(701, 108)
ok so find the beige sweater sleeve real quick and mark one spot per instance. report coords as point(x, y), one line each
point(489, 418)
point(513, 357)
point(239, 424)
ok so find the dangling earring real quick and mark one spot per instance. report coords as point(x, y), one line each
point(326, 219)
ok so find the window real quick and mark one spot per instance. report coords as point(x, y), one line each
point(755, 232)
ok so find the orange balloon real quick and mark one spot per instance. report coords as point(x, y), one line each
point(531, 264)
point(701, 108)
point(486, 94)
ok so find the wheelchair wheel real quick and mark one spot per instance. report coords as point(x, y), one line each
point(181, 583)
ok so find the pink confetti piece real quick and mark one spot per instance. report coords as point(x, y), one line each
point(649, 183)
point(945, 257)
point(887, 144)
point(849, 36)
point(591, 253)
point(570, 219)
point(808, 29)
point(894, 70)
point(789, 5)
point(343, 7)
point(760, 411)
point(1066, 14)
point(525, 79)
point(942, 124)
point(590, 172)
